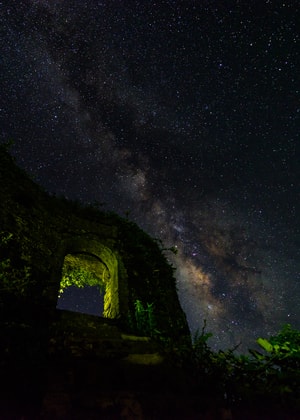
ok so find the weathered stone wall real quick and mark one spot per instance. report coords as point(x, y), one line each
point(45, 229)
point(41, 346)
point(45, 233)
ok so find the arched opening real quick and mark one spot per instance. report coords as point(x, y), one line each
point(89, 278)
point(85, 278)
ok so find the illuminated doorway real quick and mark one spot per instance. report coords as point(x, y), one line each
point(84, 282)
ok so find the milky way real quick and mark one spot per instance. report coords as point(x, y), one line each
point(183, 114)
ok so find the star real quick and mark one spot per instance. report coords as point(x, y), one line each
point(184, 115)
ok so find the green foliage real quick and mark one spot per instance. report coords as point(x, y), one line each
point(193, 356)
point(144, 321)
point(15, 276)
point(273, 376)
point(5, 238)
point(79, 277)
point(287, 340)
point(200, 339)
point(282, 350)
point(281, 347)
point(265, 344)
point(201, 350)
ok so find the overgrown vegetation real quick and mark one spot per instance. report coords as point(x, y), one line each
point(80, 273)
point(15, 272)
point(269, 375)
point(143, 322)
point(272, 376)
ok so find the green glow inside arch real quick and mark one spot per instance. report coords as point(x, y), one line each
point(83, 270)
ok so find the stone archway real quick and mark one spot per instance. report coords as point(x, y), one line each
point(83, 284)
point(91, 256)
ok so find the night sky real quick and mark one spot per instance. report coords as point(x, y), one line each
point(184, 114)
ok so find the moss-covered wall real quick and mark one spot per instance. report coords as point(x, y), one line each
point(44, 229)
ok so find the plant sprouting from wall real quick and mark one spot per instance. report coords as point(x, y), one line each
point(143, 321)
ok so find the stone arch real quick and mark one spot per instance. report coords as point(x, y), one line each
point(87, 245)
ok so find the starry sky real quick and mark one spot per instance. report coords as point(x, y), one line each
point(184, 114)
